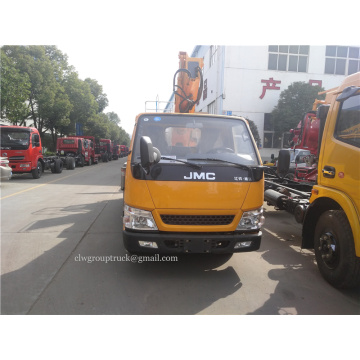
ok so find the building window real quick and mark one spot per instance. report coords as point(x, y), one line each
point(268, 125)
point(342, 60)
point(211, 108)
point(268, 139)
point(213, 53)
point(288, 58)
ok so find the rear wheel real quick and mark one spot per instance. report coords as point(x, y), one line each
point(36, 173)
point(58, 166)
point(82, 161)
point(68, 163)
point(335, 250)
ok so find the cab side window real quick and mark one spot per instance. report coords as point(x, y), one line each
point(348, 122)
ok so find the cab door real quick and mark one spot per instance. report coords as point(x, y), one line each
point(340, 154)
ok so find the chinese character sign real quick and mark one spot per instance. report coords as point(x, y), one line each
point(270, 85)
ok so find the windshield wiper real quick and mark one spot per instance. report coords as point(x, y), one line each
point(183, 162)
point(241, 166)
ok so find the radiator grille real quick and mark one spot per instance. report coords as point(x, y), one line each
point(197, 219)
point(17, 158)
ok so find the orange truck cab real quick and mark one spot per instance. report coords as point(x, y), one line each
point(332, 221)
point(194, 183)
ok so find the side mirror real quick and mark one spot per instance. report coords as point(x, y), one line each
point(322, 112)
point(149, 155)
point(258, 173)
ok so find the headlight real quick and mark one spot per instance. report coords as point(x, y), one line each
point(251, 220)
point(137, 219)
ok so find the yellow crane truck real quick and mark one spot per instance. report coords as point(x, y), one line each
point(194, 182)
point(330, 209)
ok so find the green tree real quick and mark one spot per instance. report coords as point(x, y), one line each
point(15, 91)
point(97, 91)
point(255, 132)
point(33, 63)
point(113, 117)
point(294, 101)
point(124, 138)
point(84, 106)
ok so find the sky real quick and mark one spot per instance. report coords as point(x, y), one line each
point(131, 48)
point(129, 76)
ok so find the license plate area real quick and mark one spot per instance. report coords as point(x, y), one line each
point(197, 246)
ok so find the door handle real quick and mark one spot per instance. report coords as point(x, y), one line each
point(329, 172)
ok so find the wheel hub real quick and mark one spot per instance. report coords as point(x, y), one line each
point(329, 249)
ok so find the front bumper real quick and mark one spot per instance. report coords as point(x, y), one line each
point(20, 167)
point(191, 242)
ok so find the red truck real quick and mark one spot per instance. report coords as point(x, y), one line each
point(306, 134)
point(106, 149)
point(94, 156)
point(124, 150)
point(307, 137)
point(73, 150)
point(116, 152)
point(22, 146)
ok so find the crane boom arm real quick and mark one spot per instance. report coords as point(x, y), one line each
point(189, 86)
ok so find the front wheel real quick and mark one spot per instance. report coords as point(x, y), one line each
point(335, 250)
point(36, 173)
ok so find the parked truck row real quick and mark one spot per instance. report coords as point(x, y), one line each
point(23, 148)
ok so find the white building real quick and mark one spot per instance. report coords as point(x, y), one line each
point(248, 80)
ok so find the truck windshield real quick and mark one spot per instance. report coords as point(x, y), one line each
point(197, 137)
point(14, 139)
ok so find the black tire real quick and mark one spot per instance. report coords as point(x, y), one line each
point(36, 173)
point(58, 166)
point(82, 161)
point(68, 163)
point(335, 250)
point(283, 163)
